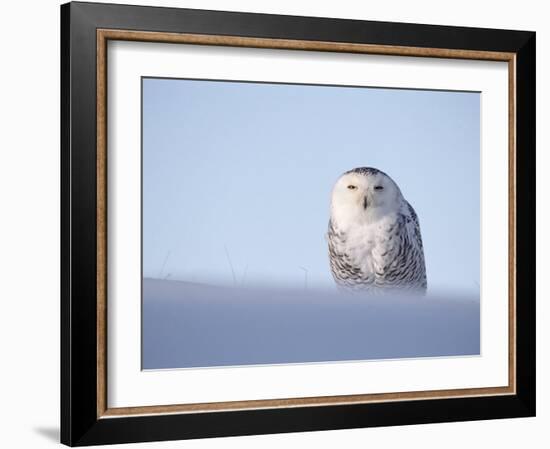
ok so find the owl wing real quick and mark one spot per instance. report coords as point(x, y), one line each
point(398, 256)
point(416, 228)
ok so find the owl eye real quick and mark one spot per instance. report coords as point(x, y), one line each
point(352, 187)
point(378, 188)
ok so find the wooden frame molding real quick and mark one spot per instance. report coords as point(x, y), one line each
point(103, 36)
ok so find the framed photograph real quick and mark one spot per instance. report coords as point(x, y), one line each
point(277, 224)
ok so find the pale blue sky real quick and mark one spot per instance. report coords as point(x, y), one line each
point(248, 168)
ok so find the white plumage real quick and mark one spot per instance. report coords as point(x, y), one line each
point(374, 236)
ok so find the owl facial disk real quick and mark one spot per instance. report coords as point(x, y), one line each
point(363, 196)
point(359, 190)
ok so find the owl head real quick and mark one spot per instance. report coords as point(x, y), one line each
point(364, 194)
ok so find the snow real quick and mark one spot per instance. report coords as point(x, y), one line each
point(193, 325)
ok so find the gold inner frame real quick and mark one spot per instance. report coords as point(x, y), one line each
point(104, 35)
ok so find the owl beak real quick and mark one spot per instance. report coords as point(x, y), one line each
point(365, 203)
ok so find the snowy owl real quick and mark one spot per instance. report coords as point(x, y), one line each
point(373, 235)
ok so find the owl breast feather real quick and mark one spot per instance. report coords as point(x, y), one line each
point(381, 256)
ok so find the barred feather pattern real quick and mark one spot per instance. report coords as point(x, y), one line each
point(394, 260)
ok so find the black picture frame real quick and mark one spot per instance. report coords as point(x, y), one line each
point(80, 423)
